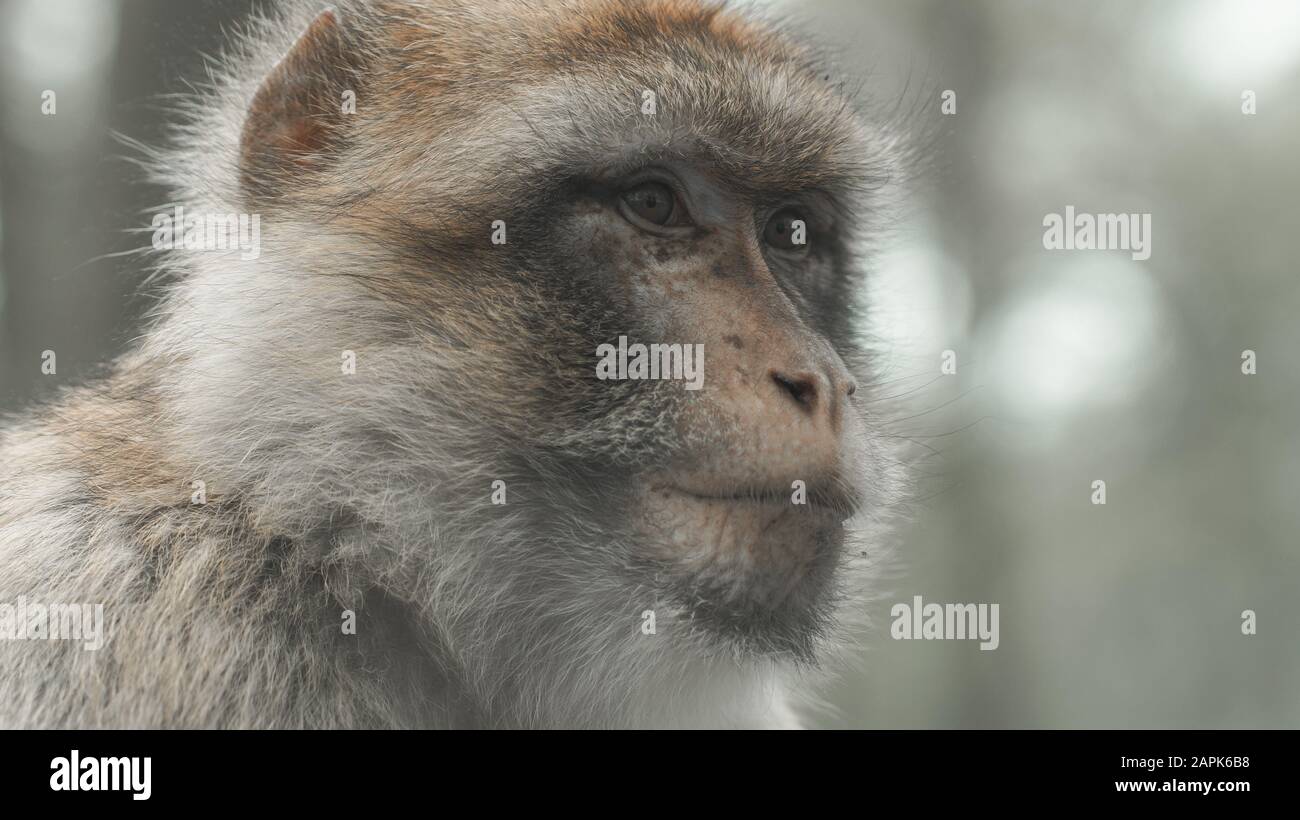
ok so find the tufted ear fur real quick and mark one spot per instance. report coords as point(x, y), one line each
point(297, 120)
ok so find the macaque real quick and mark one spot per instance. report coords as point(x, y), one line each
point(368, 475)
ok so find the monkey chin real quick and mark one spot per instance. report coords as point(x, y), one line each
point(751, 568)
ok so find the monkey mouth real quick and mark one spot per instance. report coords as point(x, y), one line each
point(829, 497)
point(765, 509)
point(751, 565)
point(746, 529)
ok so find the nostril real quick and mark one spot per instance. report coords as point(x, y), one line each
point(852, 387)
point(801, 387)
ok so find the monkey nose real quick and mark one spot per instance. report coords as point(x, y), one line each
point(814, 393)
point(802, 387)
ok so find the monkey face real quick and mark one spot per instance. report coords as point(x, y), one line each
point(740, 504)
point(633, 281)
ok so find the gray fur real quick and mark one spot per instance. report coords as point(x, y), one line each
point(371, 492)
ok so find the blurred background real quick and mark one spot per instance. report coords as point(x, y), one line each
point(1072, 366)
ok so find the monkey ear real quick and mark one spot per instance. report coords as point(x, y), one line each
point(297, 118)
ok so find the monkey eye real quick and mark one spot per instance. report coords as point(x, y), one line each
point(654, 203)
point(787, 231)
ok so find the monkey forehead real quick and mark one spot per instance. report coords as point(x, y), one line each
point(593, 82)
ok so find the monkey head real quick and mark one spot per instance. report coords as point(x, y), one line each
point(519, 196)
